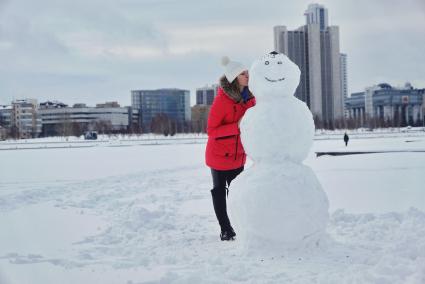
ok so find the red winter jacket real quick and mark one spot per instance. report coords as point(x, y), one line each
point(224, 147)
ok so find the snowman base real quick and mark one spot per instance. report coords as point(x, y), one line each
point(278, 207)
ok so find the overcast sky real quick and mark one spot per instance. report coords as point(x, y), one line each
point(94, 51)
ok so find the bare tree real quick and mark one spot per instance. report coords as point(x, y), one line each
point(65, 127)
point(162, 124)
point(102, 126)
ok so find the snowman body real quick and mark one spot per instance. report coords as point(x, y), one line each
point(277, 203)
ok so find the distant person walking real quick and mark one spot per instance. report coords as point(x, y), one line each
point(346, 138)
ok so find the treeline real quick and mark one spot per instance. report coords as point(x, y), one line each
point(162, 124)
point(367, 122)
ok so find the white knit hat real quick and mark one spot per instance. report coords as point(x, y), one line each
point(232, 68)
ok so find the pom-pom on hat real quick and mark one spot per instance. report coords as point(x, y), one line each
point(232, 68)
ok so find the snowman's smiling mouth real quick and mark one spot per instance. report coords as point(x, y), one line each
point(277, 80)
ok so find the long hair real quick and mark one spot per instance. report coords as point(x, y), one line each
point(232, 89)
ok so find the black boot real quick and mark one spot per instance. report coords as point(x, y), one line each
point(228, 235)
point(219, 202)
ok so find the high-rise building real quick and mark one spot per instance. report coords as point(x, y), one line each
point(344, 87)
point(314, 47)
point(206, 95)
point(317, 14)
point(25, 119)
point(173, 103)
point(5, 115)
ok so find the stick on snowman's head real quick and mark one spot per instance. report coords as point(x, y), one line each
point(273, 75)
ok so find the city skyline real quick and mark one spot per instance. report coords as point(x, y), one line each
point(79, 52)
point(315, 48)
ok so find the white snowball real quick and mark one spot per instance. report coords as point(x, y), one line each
point(280, 130)
point(280, 126)
point(278, 206)
point(278, 203)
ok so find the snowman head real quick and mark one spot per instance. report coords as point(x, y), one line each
point(273, 75)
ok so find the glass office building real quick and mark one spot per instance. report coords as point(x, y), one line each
point(206, 95)
point(174, 103)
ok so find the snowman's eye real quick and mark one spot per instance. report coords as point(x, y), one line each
point(279, 62)
point(267, 63)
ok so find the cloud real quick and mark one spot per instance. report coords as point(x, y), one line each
point(90, 51)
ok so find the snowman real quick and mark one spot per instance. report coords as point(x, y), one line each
point(277, 203)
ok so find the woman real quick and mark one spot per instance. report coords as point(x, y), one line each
point(224, 153)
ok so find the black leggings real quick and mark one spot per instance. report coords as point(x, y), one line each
point(222, 179)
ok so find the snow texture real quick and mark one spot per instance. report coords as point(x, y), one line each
point(143, 214)
point(278, 203)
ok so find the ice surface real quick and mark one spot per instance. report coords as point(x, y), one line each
point(144, 215)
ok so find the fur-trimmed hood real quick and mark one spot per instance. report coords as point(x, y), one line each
point(232, 90)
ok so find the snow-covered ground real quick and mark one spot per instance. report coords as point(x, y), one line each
point(103, 140)
point(143, 214)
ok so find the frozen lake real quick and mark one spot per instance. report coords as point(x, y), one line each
point(143, 214)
